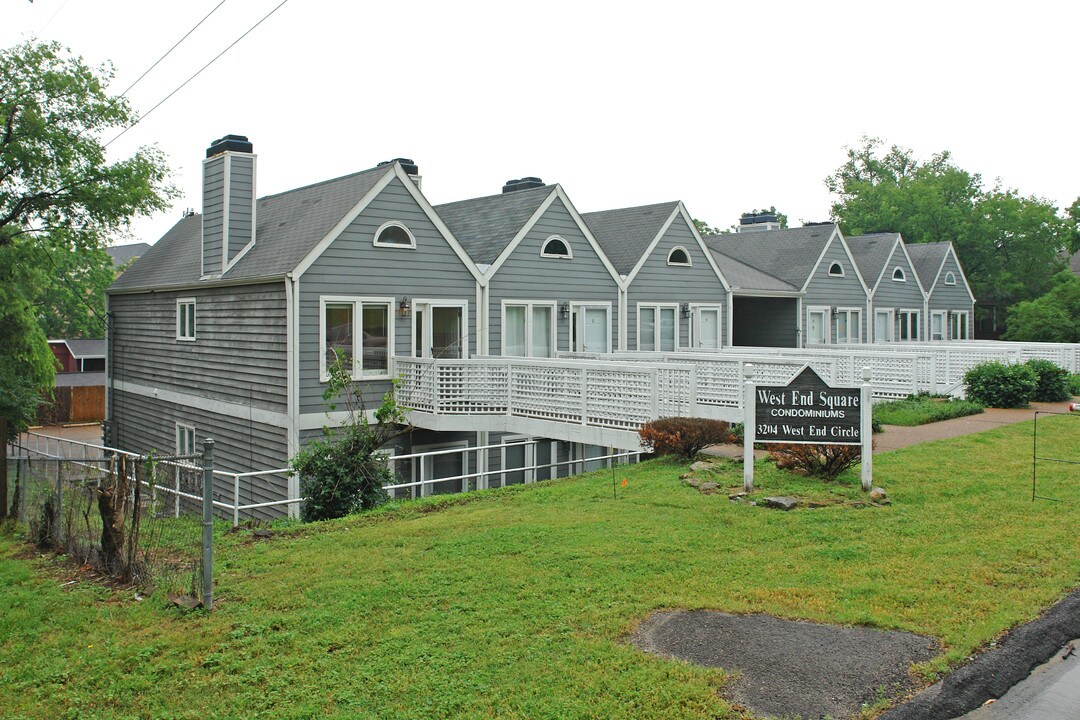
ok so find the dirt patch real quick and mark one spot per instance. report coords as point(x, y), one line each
point(790, 668)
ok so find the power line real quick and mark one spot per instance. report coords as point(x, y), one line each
point(197, 73)
point(47, 22)
point(158, 61)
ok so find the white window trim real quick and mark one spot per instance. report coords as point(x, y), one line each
point(950, 278)
point(579, 339)
point(890, 321)
point(182, 430)
point(358, 332)
point(854, 315)
point(569, 252)
point(183, 302)
point(903, 275)
point(529, 305)
point(428, 304)
point(656, 325)
point(836, 264)
point(956, 319)
point(393, 223)
point(944, 315)
point(826, 312)
point(919, 322)
point(688, 263)
point(695, 324)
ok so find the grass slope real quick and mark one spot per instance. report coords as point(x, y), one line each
point(514, 603)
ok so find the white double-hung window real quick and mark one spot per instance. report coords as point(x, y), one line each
point(359, 331)
point(528, 329)
point(658, 327)
point(958, 325)
point(847, 325)
point(907, 325)
point(185, 319)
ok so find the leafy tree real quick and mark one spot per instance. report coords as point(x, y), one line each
point(1009, 244)
point(705, 229)
point(60, 199)
point(1053, 317)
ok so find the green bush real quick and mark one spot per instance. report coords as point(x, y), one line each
point(1074, 384)
point(681, 436)
point(1000, 385)
point(922, 408)
point(1052, 381)
point(824, 461)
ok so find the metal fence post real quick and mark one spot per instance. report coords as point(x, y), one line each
point(866, 430)
point(59, 502)
point(208, 524)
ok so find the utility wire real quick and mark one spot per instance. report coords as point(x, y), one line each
point(197, 73)
point(158, 62)
point(47, 22)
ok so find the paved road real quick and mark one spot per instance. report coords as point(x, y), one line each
point(1050, 692)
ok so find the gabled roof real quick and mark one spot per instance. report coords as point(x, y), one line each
point(288, 226)
point(625, 234)
point(745, 279)
point(927, 259)
point(121, 254)
point(486, 225)
point(790, 254)
point(872, 252)
point(83, 347)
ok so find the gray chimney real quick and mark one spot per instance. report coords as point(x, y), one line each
point(228, 223)
point(752, 222)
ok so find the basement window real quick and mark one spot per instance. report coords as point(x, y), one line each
point(394, 234)
point(556, 247)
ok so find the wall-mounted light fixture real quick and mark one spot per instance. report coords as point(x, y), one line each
point(403, 306)
point(685, 310)
point(835, 310)
point(564, 309)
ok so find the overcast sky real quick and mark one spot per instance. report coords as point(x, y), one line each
point(728, 108)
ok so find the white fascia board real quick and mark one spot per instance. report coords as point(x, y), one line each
point(512, 245)
point(704, 248)
point(814, 267)
point(198, 402)
point(292, 362)
point(649, 250)
point(226, 265)
point(200, 285)
point(345, 221)
point(589, 236)
point(960, 267)
point(437, 221)
point(911, 265)
point(851, 259)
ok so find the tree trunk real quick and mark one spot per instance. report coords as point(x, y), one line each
point(112, 499)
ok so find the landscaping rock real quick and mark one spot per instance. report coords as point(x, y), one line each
point(879, 496)
point(701, 465)
point(262, 534)
point(736, 497)
point(691, 480)
point(780, 503)
point(708, 487)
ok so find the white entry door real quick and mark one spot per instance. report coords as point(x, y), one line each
point(708, 328)
point(439, 330)
point(591, 330)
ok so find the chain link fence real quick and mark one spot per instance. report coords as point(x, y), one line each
point(138, 520)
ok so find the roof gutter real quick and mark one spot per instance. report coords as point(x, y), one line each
point(216, 283)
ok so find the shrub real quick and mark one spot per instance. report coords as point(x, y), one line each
point(921, 409)
point(1001, 385)
point(684, 437)
point(342, 473)
point(1074, 384)
point(824, 461)
point(1052, 382)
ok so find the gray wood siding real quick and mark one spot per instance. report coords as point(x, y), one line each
point(239, 353)
point(765, 322)
point(893, 295)
point(143, 424)
point(658, 282)
point(843, 292)
point(351, 265)
point(953, 297)
point(213, 213)
point(241, 199)
point(527, 276)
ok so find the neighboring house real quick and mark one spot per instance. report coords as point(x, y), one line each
point(673, 294)
point(897, 296)
point(1074, 262)
point(950, 304)
point(820, 298)
point(223, 328)
point(79, 355)
point(79, 395)
point(124, 255)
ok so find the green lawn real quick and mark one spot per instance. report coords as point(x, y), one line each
point(922, 409)
point(515, 603)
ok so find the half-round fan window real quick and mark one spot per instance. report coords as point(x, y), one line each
point(836, 270)
point(678, 256)
point(556, 247)
point(898, 275)
point(950, 278)
point(394, 234)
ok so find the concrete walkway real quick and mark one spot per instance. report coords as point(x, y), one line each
point(1050, 692)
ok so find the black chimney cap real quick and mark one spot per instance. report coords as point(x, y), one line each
point(407, 165)
point(525, 183)
point(229, 143)
point(758, 218)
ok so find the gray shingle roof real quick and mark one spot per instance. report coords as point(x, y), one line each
point(744, 278)
point(288, 226)
point(871, 252)
point(80, 379)
point(625, 234)
point(82, 347)
point(926, 258)
point(121, 254)
point(485, 226)
point(789, 254)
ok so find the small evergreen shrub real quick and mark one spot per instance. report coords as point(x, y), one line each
point(1000, 385)
point(681, 436)
point(823, 461)
point(1074, 384)
point(1052, 382)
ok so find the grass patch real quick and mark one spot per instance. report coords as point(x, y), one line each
point(514, 603)
point(923, 409)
